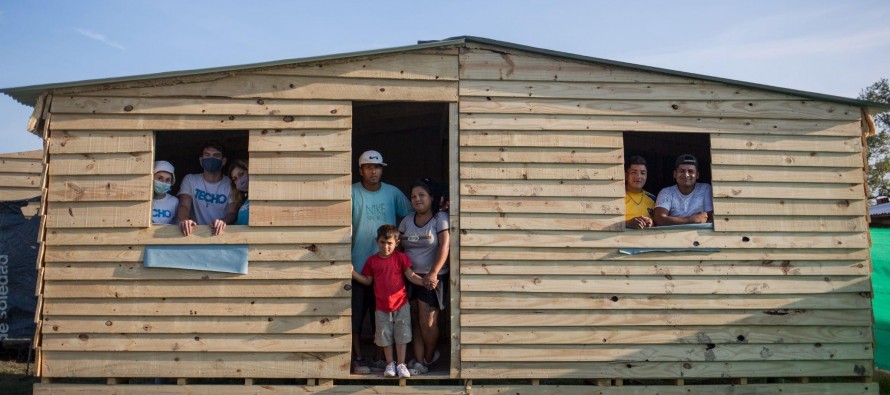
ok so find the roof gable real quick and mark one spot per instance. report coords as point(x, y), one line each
point(28, 95)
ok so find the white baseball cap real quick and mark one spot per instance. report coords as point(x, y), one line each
point(371, 158)
point(163, 165)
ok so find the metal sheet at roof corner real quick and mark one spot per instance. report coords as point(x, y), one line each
point(879, 210)
point(28, 95)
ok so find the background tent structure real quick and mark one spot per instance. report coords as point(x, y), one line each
point(20, 192)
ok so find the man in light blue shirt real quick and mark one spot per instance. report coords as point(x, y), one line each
point(374, 203)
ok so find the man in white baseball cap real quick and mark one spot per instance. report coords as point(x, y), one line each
point(374, 203)
point(371, 158)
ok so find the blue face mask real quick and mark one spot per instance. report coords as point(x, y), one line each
point(242, 183)
point(211, 164)
point(161, 187)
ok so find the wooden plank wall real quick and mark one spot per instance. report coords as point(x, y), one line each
point(20, 178)
point(107, 316)
point(544, 292)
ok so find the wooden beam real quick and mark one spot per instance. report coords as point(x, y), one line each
point(586, 254)
point(540, 138)
point(112, 188)
point(613, 222)
point(790, 159)
point(786, 143)
point(701, 268)
point(759, 109)
point(660, 352)
point(541, 204)
point(194, 122)
point(99, 214)
point(789, 207)
point(642, 370)
point(613, 91)
point(773, 303)
point(253, 86)
point(543, 188)
point(542, 155)
point(297, 242)
point(179, 364)
point(104, 142)
point(203, 342)
point(784, 174)
point(265, 308)
point(405, 65)
point(779, 223)
point(300, 213)
point(551, 318)
point(197, 106)
point(195, 324)
point(201, 288)
point(296, 140)
point(270, 163)
point(540, 171)
point(664, 239)
point(131, 163)
point(783, 190)
point(498, 64)
point(300, 187)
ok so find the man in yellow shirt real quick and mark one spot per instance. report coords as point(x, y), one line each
point(639, 204)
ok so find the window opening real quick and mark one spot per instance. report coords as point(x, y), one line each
point(181, 150)
point(661, 150)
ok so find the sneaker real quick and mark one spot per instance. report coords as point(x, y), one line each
point(436, 356)
point(390, 370)
point(403, 371)
point(358, 368)
point(418, 368)
point(378, 365)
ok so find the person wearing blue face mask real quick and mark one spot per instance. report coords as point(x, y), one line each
point(208, 195)
point(238, 173)
point(163, 205)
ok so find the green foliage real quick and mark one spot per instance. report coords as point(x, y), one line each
point(879, 144)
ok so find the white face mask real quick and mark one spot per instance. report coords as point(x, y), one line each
point(242, 183)
point(161, 187)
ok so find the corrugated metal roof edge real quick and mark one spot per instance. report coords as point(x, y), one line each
point(28, 95)
point(795, 92)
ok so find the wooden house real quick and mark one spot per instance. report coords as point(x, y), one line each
point(21, 174)
point(532, 143)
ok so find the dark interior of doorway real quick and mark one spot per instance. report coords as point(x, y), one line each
point(411, 136)
point(413, 139)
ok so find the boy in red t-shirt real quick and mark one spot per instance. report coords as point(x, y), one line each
point(387, 270)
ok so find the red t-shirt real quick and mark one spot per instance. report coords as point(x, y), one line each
point(389, 282)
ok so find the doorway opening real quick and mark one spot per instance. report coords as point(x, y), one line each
point(413, 138)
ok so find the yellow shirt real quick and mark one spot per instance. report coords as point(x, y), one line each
point(639, 205)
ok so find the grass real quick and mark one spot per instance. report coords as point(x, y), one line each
point(882, 377)
point(13, 380)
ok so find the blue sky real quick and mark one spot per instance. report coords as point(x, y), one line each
point(821, 46)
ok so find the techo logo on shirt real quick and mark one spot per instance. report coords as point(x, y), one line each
point(210, 198)
point(158, 213)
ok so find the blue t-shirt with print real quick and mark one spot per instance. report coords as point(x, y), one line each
point(370, 210)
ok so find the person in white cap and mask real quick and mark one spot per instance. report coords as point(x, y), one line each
point(374, 203)
point(163, 204)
